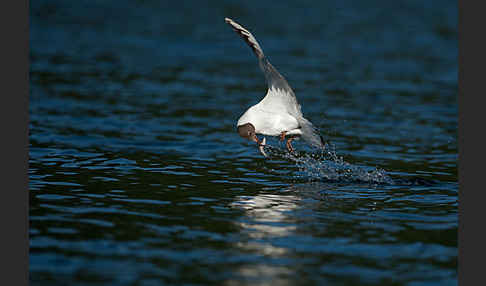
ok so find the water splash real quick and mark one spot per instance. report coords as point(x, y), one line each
point(327, 165)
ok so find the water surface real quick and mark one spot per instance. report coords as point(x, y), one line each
point(138, 177)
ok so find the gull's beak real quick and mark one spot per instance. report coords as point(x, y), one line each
point(255, 138)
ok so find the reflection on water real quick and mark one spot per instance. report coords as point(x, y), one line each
point(266, 220)
point(268, 213)
point(138, 177)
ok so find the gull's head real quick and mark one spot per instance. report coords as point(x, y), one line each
point(247, 131)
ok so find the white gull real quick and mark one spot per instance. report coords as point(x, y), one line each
point(278, 113)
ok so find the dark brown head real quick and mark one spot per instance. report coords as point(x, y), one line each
point(247, 131)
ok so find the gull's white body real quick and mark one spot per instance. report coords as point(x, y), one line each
point(278, 112)
point(269, 119)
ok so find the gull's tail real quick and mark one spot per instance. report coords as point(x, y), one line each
point(311, 134)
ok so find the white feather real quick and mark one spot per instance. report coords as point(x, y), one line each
point(279, 110)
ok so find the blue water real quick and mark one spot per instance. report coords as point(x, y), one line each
point(138, 177)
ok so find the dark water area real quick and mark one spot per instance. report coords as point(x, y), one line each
point(138, 177)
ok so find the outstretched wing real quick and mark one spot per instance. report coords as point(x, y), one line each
point(280, 96)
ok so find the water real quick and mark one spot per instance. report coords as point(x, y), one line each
point(138, 177)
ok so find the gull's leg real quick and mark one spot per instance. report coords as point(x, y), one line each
point(289, 145)
point(282, 135)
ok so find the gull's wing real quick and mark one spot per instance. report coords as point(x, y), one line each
point(280, 96)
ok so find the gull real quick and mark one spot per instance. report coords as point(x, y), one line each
point(278, 113)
